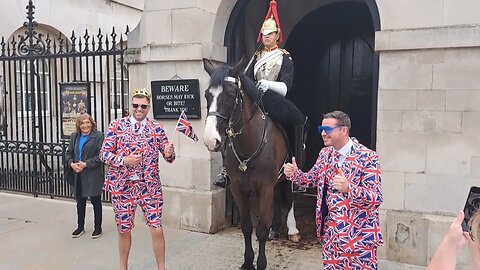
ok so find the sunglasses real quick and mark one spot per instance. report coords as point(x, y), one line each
point(143, 106)
point(327, 129)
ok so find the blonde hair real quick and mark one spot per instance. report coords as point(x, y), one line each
point(475, 226)
point(83, 117)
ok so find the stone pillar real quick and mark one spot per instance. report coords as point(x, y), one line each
point(428, 135)
point(169, 44)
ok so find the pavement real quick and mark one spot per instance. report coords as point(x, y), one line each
point(35, 234)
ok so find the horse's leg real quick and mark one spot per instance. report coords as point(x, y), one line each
point(293, 233)
point(264, 222)
point(246, 224)
point(277, 214)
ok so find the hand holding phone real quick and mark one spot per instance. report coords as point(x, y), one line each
point(472, 205)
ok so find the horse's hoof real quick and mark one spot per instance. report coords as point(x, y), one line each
point(273, 235)
point(295, 237)
point(247, 267)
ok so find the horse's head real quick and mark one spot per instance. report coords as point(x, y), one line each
point(221, 95)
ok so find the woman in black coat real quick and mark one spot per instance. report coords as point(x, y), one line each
point(88, 171)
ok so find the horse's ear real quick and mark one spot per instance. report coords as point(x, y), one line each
point(208, 66)
point(238, 68)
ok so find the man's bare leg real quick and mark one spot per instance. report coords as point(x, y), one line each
point(124, 244)
point(158, 242)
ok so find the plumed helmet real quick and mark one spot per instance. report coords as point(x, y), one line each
point(141, 93)
point(271, 22)
point(269, 26)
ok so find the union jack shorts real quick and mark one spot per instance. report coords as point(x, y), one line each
point(125, 203)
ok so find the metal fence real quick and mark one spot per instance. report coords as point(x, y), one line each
point(33, 67)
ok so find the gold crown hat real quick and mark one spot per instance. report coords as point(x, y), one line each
point(141, 92)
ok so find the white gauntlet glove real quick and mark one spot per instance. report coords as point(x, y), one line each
point(263, 85)
point(277, 87)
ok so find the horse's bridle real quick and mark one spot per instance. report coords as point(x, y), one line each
point(217, 114)
point(231, 133)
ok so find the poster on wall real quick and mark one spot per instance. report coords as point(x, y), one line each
point(3, 108)
point(74, 101)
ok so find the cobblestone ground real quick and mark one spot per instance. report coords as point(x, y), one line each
point(224, 250)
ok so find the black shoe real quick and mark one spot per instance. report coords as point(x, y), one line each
point(222, 179)
point(96, 233)
point(78, 232)
point(273, 235)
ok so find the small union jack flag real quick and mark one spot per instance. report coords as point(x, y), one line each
point(185, 127)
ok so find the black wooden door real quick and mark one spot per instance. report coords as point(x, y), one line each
point(346, 62)
point(334, 60)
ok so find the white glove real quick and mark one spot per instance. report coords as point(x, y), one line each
point(263, 85)
point(278, 87)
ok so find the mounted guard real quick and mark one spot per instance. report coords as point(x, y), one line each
point(271, 68)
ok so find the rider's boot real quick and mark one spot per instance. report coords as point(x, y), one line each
point(299, 149)
point(222, 179)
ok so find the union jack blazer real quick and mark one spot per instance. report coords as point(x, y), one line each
point(120, 141)
point(352, 222)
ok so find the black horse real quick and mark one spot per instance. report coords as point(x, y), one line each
point(255, 152)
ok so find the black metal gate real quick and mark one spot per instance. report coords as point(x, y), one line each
point(33, 66)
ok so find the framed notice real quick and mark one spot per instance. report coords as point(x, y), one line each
point(170, 98)
point(74, 101)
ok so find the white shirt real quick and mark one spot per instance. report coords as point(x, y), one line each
point(344, 151)
point(134, 121)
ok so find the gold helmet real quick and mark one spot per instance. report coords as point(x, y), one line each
point(269, 26)
point(141, 93)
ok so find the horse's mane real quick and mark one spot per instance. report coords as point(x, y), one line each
point(219, 75)
point(249, 86)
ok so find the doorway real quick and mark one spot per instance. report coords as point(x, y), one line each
point(336, 68)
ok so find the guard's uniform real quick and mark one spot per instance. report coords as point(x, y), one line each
point(275, 65)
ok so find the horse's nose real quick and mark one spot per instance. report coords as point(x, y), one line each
point(212, 142)
point(213, 145)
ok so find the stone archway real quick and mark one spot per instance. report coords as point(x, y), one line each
point(325, 38)
point(308, 30)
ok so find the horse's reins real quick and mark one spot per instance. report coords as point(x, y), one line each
point(231, 133)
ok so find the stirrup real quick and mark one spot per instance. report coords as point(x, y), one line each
point(221, 180)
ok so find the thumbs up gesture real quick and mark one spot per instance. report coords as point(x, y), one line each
point(289, 169)
point(340, 182)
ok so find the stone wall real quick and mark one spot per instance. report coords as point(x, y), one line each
point(428, 121)
point(169, 43)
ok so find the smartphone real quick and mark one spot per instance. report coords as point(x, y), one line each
point(471, 206)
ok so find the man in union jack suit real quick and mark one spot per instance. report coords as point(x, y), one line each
point(131, 149)
point(348, 178)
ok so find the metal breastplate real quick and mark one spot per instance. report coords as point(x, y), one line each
point(269, 70)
